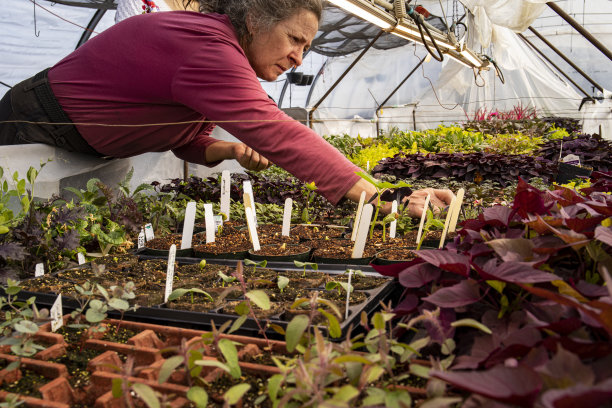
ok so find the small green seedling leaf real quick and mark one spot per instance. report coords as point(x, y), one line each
point(295, 330)
point(234, 394)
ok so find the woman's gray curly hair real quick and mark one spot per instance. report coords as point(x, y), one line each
point(263, 14)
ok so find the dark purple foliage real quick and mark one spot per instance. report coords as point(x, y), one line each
point(470, 167)
point(463, 293)
point(514, 385)
point(594, 152)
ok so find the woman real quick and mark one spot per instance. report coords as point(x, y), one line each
point(179, 74)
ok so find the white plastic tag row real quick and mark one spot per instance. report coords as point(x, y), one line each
point(362, 231)
point(170, 271)
point(190, 212)
point(80, 258)
point(287, 217)
point(456, 210)
point(348, 294)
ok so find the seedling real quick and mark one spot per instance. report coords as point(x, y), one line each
point(202, 264)
point(430, 223)
point(177, 293)
point(310, 195)
point(282, 283)
point(381, 187)
point(226, 279)
point(312, 265)
point(261, 264)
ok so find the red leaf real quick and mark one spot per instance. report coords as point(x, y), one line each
point(419, 275)
point(448, 261)
point(464, 293)
point(514, 385)
point(517, 272)
point(582, 396)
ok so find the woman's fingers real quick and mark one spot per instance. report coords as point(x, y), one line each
point(251, 160)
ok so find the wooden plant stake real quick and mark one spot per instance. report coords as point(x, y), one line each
point(457, 210)
point(247, 189)
point(190, 212)
point(362, 233)
point(447, 221)
point(252, 229)
point(423, 218)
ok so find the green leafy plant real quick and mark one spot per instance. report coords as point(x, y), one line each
point(177, 293)
point(372, 155)
point(311, 265)
point(381, 187)
point(309, 189)
point(20, 323)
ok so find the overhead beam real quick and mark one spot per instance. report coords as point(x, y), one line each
point(580, 29)
point(554, 65)
point(346, 71)
point(400, 84)
point(570, 62)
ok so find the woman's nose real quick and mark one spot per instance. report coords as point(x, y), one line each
point(296, 57)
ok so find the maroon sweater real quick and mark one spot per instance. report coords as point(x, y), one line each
point(184, 68)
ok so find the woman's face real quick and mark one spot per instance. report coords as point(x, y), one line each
point(273, 52)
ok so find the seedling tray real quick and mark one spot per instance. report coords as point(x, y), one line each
point(160, 314)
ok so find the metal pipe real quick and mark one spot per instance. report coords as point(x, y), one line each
point(314, 108)
point(282, 95)
point(91, 26)
point(400, 84)
point(554, 65)
point(570, 62)
point(580, 29)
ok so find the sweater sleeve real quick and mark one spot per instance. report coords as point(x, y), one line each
point(218, 82)
point(195, 151)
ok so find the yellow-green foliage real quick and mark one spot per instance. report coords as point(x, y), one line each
point(448, 139)
point(373, 154)
point(512, 143)
point(556, 133)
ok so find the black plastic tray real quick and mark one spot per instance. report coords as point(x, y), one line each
point(163, 315)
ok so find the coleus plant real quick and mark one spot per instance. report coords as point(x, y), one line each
point(538, 276)
point(473, 167)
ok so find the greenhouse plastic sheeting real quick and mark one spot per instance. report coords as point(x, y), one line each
point(516, 15)
point(597, 116)
point(66, 169)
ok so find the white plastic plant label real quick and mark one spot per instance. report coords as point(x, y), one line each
point(252, 229)
point(226, 187)
point(447, 221)
point(170, 271)
point(39, 270)
point(362, 231)
point(348, 294)
point(190, 212)
point(56, 313)
point(287, 217)
point(209, 218)
point(572, 159)
point(423, 218)
point(457, 210)
point(218, 222)
point(247, 188)
point(80, 258)
point(141, 238)
point(393, 224)
point(358, 215)
point(149, 234)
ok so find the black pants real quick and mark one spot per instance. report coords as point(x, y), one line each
point(32, 111)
